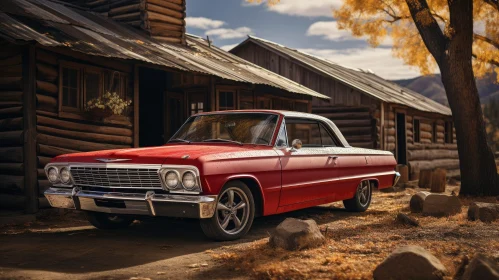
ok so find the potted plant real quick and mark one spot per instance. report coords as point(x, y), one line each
point(107, 105)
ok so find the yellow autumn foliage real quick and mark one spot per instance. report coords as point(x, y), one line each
point(380, 19)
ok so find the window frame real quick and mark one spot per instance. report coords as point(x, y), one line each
point(416, 132)
point(449, 132)
point(320, 123)
point(82, 70)
point(235, 101)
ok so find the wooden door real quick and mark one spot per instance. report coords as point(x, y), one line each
point(175, 113)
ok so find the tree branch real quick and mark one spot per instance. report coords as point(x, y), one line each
point(486, 39)
point(429, 29)
point(492, 61)
point(493, 3)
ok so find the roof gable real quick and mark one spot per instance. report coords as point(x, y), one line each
point(364, 81)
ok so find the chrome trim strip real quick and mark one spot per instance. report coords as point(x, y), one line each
point(396, 179)
point(339, 179)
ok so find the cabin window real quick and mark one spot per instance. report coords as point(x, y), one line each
point(197, 102)
point(301, 107)
point(434, 133)
point(246, 100)
point(81, 83)
point(263, 103)
point(70, 89)
point(449, 133)
point(226, 100)
point(416, 131)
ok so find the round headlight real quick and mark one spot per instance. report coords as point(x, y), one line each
point(189, 180)
point(65, 176)
point(171, 179)
point(53, 175)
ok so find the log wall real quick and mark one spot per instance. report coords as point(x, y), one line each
point(161, 19)
point(11, 127)
point(431, 151)
point(58, 134)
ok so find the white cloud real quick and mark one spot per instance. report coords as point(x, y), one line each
point(379, 60)
point(303, 8)
point(329, 30)
point(228, 47)
point(203, 23)
point(228, 33)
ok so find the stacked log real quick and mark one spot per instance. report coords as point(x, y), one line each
point(161, 19)
point(58, 135)
point(357, 124)
point(11, 128)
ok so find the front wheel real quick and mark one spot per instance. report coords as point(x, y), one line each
point(362, 199)
point(234, 213)
point(108, 221)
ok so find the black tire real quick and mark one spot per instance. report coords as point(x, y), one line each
point(212, 227)
point(108, 221)
point(362, 199)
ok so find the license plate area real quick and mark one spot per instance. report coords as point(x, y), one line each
point(110, 203)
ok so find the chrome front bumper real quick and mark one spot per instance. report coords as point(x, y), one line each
point(396, 179)
point(150, 204)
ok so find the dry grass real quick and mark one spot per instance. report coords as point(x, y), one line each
point(356, 243)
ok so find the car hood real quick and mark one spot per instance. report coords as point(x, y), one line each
point(159, 155)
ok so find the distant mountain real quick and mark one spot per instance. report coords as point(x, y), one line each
point(431, 86)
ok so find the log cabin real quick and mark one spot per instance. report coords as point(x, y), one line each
point(370, 111)
point(55, 56)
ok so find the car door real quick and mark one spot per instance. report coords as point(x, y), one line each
point(308, 173)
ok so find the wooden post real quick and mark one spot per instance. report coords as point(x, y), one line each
point(404, 173)
point(438, 180)
point(29, 122)
point(136, 106)
point(425, 178)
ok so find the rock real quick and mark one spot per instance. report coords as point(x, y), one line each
point(481, 267)
point(438, 180)
point(295, 234)
point(406, 220)
point(417, 200)
point(485, 212)
point(441, 205)
point(410, 262)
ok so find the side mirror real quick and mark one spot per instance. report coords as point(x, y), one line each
point(296, 144)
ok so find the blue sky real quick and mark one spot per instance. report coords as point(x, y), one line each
point(306, 25)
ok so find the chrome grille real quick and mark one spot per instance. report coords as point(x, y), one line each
point(131, 178)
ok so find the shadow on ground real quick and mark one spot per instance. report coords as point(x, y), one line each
point(80, 248)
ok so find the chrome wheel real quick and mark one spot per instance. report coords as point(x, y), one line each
point(233, 210)
point(364, 193)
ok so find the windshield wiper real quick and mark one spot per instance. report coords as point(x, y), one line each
point(223, 140)
point(179, 140)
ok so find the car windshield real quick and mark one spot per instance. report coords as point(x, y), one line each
point(240, 128)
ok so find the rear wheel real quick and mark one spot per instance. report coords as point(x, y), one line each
point(108, 221)
point(362, 199)
point(234, 213)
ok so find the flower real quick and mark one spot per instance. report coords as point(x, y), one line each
point(109, 100)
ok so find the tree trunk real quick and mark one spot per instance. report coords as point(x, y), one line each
point(476, 160)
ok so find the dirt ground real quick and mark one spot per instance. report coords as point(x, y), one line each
point(66, 247)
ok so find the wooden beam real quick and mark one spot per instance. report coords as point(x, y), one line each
point(152, 16)
point(86, 136)
point(168, 5)
point(136, 92)
point(51, 151)
point(11, 124)
point(11, 154)
point(76, 126)
point(29, 119)
point(77, 145)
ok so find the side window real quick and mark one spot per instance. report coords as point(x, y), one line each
point(307, 131)
point(327, 140)
point(416, 131)
point(282, 139)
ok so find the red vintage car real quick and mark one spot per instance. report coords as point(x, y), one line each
point(224, 168)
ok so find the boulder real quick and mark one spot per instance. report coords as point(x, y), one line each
point(481, 267)
point(485, 212)
point(295, 234)
point(406, 220)
point(410, 262)
point(441, 205)
point(417, 200)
